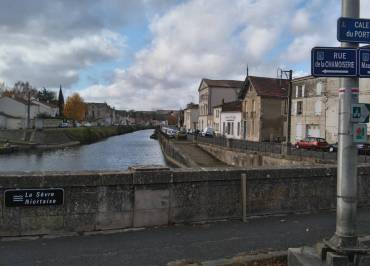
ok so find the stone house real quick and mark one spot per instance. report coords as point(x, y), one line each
point(100, 113)
point(213, 93)
point(264, 109)
point(191, 114)
point(315, 105)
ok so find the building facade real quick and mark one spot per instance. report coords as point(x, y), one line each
point(264, 114)
point(213, 93)
point(217, 120)
point(14, 113)
point(230, 119)
point(191, 114)
point(315, 105)
point(100, 113)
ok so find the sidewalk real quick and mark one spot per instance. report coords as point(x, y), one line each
point(158, 246)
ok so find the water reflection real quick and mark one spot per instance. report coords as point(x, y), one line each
point(114, 153)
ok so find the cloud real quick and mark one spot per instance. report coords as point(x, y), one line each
point(49, 42)
point(188, 40)
point(200, 38)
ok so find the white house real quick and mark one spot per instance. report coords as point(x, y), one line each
point(213, 93)
point(46, 108)
point(14, 112)
point(230, 119)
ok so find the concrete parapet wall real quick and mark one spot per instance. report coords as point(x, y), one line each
point(173, 154)
point(115, 200)
point(245, 158)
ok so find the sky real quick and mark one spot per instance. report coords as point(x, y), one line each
point(153, 54)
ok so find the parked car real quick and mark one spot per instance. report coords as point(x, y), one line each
point(171, 133)
point(207, 132)
point(86, 124)
point(64, 125)
point(333, 147)
point(363, 148)
point(312, 143)
point(181, 134)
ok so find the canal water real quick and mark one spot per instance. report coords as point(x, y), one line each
point(114, 153)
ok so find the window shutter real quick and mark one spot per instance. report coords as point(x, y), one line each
point(318, 88)
point(296, 91)
point(318, 107)
point(294, 108)
point(303, 89)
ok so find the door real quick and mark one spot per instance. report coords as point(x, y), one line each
point(298, 132)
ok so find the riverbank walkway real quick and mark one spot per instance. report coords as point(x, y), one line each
point(197, 154)
point(159, 246)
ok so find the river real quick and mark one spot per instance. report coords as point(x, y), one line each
point(114, 153)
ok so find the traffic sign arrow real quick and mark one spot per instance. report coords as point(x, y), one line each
point(335, 71)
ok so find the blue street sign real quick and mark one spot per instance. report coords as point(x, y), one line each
point(364, 62)
point(353, 30)
point(333, 62)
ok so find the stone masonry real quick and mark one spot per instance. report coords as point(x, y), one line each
point(143, 197)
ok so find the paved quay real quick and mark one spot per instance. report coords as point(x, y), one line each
point(158, 246)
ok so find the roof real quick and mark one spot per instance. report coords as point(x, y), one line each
point(222, 83)
point(20, 100)
point(192, 106)
point(98, 104)
point(270, 87)
point(9, 116)
point(46, 103)
point(232, 106)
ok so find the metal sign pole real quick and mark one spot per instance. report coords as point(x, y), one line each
point(345, 235)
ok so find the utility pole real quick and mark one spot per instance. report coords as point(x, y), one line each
point(289, 74)
point(345, 236)
point(29, 109)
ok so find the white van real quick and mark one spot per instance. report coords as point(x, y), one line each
point(207, 132)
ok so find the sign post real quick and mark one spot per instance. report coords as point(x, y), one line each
point(364, 62)
point(353, 30)
point(345, 237)
point(334, 62)
point(360, 133)
point(360, 113)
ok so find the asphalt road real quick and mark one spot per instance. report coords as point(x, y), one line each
point(159, 246)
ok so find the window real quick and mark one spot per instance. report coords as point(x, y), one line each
point(299, 91)
point(253, 105)
point(296, 91)
point(223, 128)
point(232, 128)
point(238, 132)
point(299, 107)
point(318, 88)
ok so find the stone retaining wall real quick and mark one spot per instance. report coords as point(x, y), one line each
point(152, 197)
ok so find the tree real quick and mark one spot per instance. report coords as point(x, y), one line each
point(24, 90)
point(75, 108)
point(61, 101)
point(46, 96)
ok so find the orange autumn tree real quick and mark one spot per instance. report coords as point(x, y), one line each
point(75, 108)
